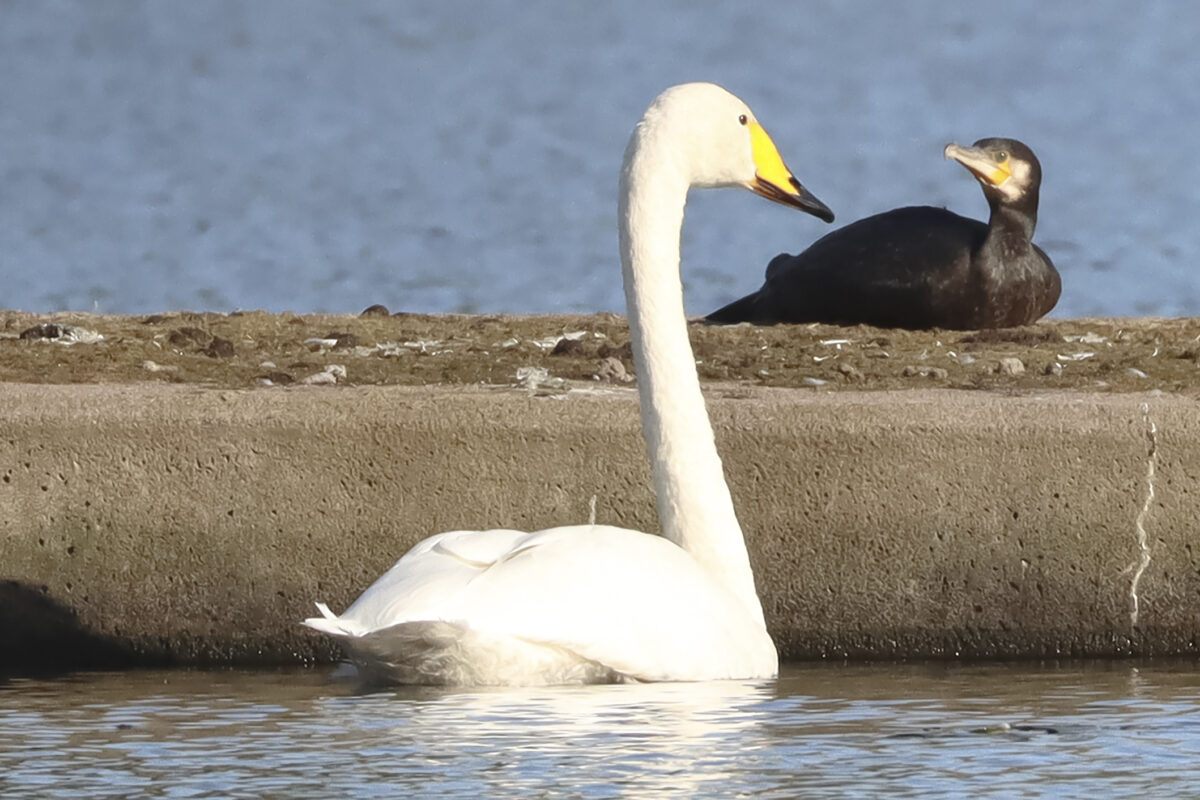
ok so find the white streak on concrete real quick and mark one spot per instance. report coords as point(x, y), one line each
point(1140, 524)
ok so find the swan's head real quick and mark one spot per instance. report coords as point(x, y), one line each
point(716, 140)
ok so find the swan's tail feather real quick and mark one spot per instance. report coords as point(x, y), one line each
point(329, 623)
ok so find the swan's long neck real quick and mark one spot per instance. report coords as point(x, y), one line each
point(694, 505)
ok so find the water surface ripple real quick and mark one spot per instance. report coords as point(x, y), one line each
point(1088, 731)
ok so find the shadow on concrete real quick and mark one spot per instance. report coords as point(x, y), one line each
point(40, 635)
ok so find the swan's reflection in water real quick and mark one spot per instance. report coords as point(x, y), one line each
point(686, 738)
point(1077, 730)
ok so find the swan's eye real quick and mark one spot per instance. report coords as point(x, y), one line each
point(742, 119)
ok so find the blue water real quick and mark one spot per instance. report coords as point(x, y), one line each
point(1019, 731)
point(453, 156)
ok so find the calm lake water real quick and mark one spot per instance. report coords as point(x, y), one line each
point(439, 155)
point(1087, 730)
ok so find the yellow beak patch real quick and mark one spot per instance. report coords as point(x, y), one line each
point(768, 164)
point(1000, 174)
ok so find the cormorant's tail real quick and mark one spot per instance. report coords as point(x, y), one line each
point(744, 310)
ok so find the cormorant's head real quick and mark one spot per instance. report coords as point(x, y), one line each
point(1006, 168)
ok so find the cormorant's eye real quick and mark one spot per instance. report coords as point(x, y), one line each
point(742, 119)
point(1002, 156)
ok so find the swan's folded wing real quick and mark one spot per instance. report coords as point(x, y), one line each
point(424, 583)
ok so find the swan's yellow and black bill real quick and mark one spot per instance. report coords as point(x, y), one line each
point(982, 164)
point(774, 181)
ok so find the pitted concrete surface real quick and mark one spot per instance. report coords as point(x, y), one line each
point(157, 523)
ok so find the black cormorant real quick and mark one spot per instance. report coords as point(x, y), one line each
point(922, 267)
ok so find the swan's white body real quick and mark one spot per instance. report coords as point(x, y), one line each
point(581, 604)
point(594, 603)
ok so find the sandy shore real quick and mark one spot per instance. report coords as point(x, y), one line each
point(245, 350)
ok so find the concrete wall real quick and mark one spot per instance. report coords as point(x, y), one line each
point(154, 523)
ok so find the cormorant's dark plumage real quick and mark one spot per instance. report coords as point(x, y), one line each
point(922, 267)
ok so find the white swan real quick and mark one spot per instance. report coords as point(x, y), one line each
point(594, 603)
